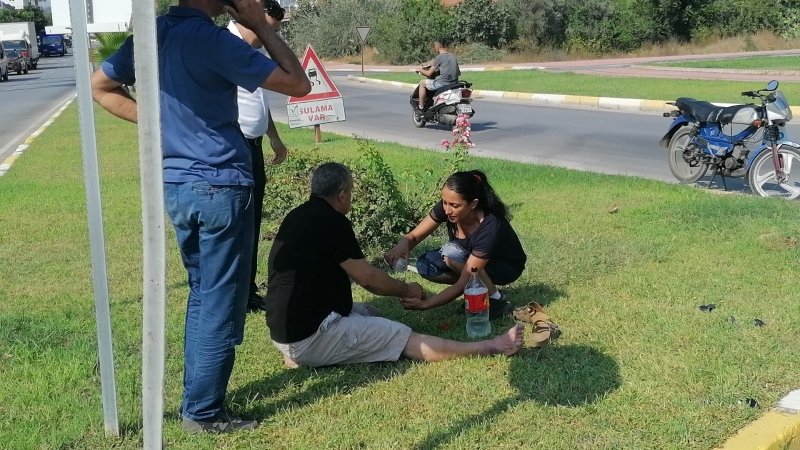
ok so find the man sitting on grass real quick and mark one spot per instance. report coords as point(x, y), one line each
point(310, 311)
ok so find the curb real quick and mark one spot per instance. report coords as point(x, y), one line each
point(777, 429)
point(712, 70)
point(463, 69)
point(6, 165)
point(623, 104)
point(620, 104)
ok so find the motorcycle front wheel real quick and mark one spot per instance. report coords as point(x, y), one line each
point(677, 165)
point(419, 121)
point(761, 175)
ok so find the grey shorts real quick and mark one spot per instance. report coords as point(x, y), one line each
point(357, 338)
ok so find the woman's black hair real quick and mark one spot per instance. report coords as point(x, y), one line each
point(473, 184)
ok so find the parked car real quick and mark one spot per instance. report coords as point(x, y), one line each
point(3, 65)
point(23, 51)
point(16, 62)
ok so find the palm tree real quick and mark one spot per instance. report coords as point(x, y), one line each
point(109, 43)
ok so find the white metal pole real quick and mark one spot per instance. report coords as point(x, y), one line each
point(154, 240)
point(95, 213)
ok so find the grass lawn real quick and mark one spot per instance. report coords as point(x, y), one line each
point(598, 86)
point(639, 365)
point(761, 62)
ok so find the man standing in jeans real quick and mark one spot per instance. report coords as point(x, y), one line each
point(255, 121)
point(208, 176)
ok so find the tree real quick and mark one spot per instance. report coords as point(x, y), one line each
point(109, 44)
point(28, 14)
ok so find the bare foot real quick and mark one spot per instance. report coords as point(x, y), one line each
point(289, 363)
point(509, 342)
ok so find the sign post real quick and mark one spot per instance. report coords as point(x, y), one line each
point(323, 104)
point(363, 32)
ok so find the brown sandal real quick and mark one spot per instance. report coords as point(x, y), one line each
point(544, 330)
point(531, 313)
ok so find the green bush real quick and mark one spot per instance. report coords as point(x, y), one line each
point(407, 36)
point(484, 22)
point(477, 53)
point(330, 26)
point(383, 208)
point(540, 23)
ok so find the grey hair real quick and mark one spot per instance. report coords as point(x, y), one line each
point(329, 179)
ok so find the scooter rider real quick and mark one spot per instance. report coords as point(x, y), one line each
point(447, 65)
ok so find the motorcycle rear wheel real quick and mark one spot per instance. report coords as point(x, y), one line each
point(677, 165)
point(761, 176)
point(419, 121)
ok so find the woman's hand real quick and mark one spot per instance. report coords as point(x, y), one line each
point(413, 303)
point(401, 250)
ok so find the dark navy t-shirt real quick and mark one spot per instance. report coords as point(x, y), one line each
point(200, 66)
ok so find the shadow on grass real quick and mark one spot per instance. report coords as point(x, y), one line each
point(571, 376)
point(307, 385)
point(540, 293)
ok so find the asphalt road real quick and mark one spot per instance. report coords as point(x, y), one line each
point(27, 101)
point(594, 140)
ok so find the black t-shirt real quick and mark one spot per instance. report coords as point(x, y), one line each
point(306, 282)
point(494, 239)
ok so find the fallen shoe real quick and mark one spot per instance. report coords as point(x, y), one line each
point(531, 313)
point(543, 333)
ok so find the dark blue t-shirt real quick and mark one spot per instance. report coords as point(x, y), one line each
point(200, 66)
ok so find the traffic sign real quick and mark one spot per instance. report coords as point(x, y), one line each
point(324, 104)
point(321, 85)
point(363, 32)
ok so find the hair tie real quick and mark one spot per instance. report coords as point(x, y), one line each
point(478, 177)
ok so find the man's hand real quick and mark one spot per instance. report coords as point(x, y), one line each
point(413, 304)
point(415, 291)
point(249, 13)
point(279, 149)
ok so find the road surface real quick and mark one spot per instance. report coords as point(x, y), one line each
point(27, 101)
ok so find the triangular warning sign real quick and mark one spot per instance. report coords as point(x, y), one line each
point(321, 85)
point(363, 32)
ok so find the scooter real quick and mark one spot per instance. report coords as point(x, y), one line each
point(444, 105)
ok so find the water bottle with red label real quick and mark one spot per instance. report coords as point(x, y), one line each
point(476, 296)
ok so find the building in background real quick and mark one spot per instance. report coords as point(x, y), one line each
point(104, 16)
point(45, 5)
point(20, 4)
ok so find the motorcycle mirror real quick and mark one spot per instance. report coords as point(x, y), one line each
point(773, 85)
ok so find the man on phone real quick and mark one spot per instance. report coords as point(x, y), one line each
point(255, 120)
point(208, 176)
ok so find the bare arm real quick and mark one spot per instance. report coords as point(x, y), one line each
point(411, 240)
point(288, 78)
point(110, 95)
point(377, 282)
point(453, 292)
point(272, 132)
point(428, 72)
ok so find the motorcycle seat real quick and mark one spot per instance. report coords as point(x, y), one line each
point(456, 85)
point(708, 112)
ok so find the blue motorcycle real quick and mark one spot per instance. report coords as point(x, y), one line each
point(760, 153)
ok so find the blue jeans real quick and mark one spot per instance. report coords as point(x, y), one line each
point(431, 264)
point(214, 227)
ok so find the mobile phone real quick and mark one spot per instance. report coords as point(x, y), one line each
point(229, 3)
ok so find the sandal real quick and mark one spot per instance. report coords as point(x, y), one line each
point(543, 333)
point(531, 313)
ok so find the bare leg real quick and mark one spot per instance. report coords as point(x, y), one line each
point(422, 93)
point(429, 348)
point(458, 267)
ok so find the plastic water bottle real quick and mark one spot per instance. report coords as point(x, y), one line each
point(476, 297)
